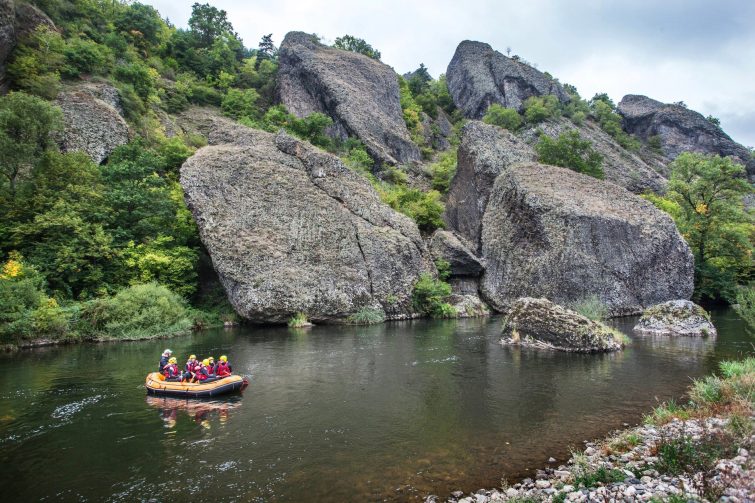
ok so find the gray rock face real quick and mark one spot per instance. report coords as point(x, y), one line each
point(621, 167)
point(484, 153)
point(291, 229)
point(478, 76)
point(679, 129)
point(360, 94)
point(90, 124)
point(542, 324)
point(675, 317)
point(550, 232)
point(16, 21)
point(437, 131)
point(7, 29)
point(446, 246)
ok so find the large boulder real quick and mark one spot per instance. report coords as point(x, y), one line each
point(90, 124)
point(550, 232)
point(675, 317)
point(484, 153)
point(620, 166)
point(542, 324)
point(679, 130)
point(478, 76)
point(290, 229)
point(360, 94)
point(444, 245)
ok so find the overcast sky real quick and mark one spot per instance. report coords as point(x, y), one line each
point(699, 52)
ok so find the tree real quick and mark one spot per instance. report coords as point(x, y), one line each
point(709, 191)
point(714, 120)
point(503, 117)
point(142, 23)
point(419, 80)
point(266, 51)
point(570, 151)
point(539, 108)
point(354, 44)
point(207, 23)
point(26, 124)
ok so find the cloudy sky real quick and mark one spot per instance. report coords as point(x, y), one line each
point(699, 52)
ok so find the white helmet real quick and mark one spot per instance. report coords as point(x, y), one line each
point(167, 352)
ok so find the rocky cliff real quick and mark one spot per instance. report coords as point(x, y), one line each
point(679, 130)
point(550, 232)
point(360, 94)
point(478, 76)
point(291, 229)
point(17, 19)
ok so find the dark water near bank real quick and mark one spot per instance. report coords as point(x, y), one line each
point(389, 412)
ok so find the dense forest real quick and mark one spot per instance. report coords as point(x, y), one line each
point(85, 246)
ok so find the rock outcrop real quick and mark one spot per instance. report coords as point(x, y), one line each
point(675, 317)
point(360, 94)
point(550, 232)
point(90, 124)
point(542, 324)
point(484, 153)
point(444, 245)
point(17, 20)
point(290, 229)
point(679, 130)
point(478, 76)
point(622, 167)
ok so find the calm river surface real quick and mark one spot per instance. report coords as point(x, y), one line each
point(389, 412)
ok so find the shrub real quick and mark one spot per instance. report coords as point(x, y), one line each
point(137, 312)
point(444, 269)
point(298, 320)
point(85, 56)
point(312, 128)
point(139, 75)
point(429, 297)
point(708, 390)
point(424, 208)
point(570, 151)
point(654, 142)
point(354, 44)
point(591, 307)
point(746, 304)
point(610, 122)
point(367, 316)
point(602, 475)
point(503, 117)
point(539, 108)
point(444, 170)
point(238, 103)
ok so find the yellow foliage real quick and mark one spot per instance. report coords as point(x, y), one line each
point(701, 208)
point(11, 269)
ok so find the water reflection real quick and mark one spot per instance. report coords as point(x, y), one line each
point(200, 411)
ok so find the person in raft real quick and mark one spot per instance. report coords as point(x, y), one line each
point(191, 363)
point(211, 366)
point(223, 368)
point(202, 371)
point(164, 360)
point(170, 371)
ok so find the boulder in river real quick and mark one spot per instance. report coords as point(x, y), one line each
point(359, 93)
point(290, 229)
point(478, 76)
point(675, 317)
point(551, 232)
point(542, 324)
point(679, 129)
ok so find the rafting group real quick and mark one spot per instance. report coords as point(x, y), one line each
point(195, 371)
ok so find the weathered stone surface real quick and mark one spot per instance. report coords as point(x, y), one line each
point(675, 317)
point(437, 131)
point(478, 76)
point(679, 129)
point(484, 153)
point(360, 94)
point(468, 306)
point(90, 124)
point(7, 29)
point(17, 19)
point(541, 323)
point(550, 232)
point(620, 166)
point(291, 229)
point(444, 245)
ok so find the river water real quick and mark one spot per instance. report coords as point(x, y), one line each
point(389, 412)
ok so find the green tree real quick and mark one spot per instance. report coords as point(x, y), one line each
point(419, 80)
point(354, 44)
point(503, 117)
point(37, 62)
point(570, 151)
point(26, 127)
point(539, 108)
point(239, 103)
point(163, 261)
point(141, 23)
point(709, 191)
point(266, 51)
point(207, 23)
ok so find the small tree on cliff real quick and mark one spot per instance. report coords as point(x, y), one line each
point(354, 44)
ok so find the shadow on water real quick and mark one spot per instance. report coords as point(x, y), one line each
point(388, 412)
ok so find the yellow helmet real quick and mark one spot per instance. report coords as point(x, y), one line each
point(212, 358)
point(206, 362)
point(224, 358)
point(172, 360)
point(193, 357)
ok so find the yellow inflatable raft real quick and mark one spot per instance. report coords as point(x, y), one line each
point(157, 385)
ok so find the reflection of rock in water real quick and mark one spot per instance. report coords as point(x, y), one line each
point(200, 411)
point(690, 348)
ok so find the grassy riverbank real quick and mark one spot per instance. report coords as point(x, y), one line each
point(696, 451)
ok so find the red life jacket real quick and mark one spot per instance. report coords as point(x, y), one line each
point(201, 373)
point(170, 370)
point(223, 369)
point(190, 365)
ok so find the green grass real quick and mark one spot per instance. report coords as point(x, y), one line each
point(298, 320)
point(602, 475)
point(624, 442)
point(665, 412)
point(590, 307)
point(367, 316)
